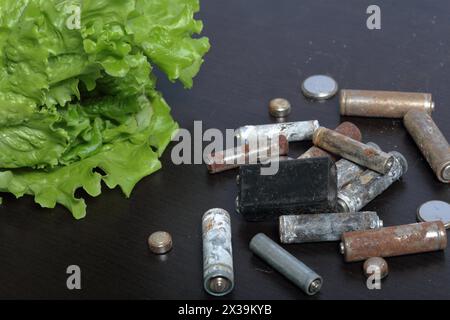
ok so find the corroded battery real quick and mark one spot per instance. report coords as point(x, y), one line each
point(325, 226)
point(299, 186)
point(348, 171)
point(394, 241)
point(286, 264)
point(233, 158)
point(370, 184)
point(383, 104)
point(353, 150)
point(294, 131)
point(430, 141)
point(217, 252)
point(347, 129)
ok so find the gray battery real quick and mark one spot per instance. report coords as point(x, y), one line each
point(366, 187)
point(217, 252)
point(348, 171)
point(285, 263)
point(294, 131)
point(325, 226)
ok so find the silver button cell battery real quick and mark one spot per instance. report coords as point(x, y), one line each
point(435, 211)
point(279, 108)
point(376, 264)
point(320, 87)
point(160, 242)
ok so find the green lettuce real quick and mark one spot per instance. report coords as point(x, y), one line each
point(78, 98)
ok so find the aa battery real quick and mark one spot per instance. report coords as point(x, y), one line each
point(430, 141)
point(299, 186)
point(353, 150)
point(294, 131)
point(217, 252)
point(347, 129)
point(285, 263)
point(383, 104)
point(233, 158)
point(347, 171)
point(325, 226)
point(366, 187)
point(394, 241)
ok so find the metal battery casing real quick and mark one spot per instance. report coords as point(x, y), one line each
point(431, 141)
point(353, 150)
point(285, 263)
point(279, 108)
point(376, 264)
point(366, 187)
point(434, 210)
point(384, 104)
point(299, 186)
point(218, 271)
point(160, 242)
point(294, 131)
point(234, 158)
point(347, 171)
point(347, 129)
point(394, 241)
point(325, 226)
point(319, 87)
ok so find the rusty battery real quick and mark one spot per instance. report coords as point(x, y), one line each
point(431, 142)
point(394, 241)
point(294, 131)
point(347, 129)
point(325, 226)
point(370, 184)
point(218, 272)
point(347, 171)
point(383, 104)
point(234, 158)
point(353, 150)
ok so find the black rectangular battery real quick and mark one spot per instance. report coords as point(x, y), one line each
point(300, 186)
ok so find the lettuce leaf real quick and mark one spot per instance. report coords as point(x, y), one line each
point(78, 98)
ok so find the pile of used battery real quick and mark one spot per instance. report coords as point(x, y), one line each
point(321, 195)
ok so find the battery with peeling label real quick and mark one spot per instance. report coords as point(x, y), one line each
point(299, 186)
point(322, 227)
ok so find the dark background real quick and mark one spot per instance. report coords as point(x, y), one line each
point(261, 49)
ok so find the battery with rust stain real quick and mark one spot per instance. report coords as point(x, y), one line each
point(394, 241)
point(244, 154)
point(347, 129)
point(353, 150)
point(347, 171)
point(383, 104)
point(431, 141)
point(370, 184)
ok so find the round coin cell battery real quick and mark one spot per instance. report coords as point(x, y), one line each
point(434, 211)
point(319, 87)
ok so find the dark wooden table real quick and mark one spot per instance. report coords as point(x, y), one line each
point(261, 49)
